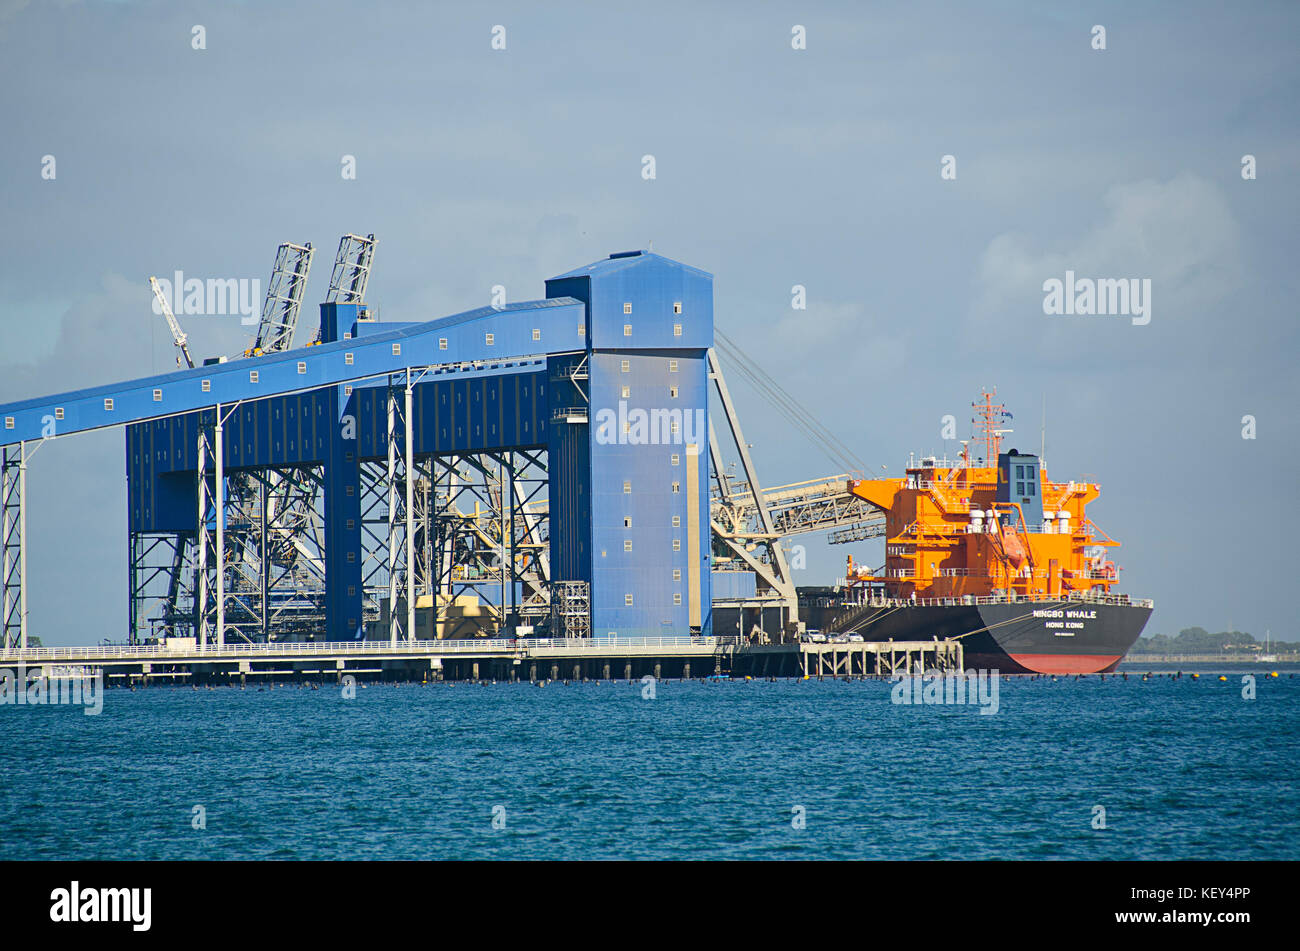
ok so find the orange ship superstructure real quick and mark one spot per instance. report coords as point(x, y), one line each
point(989, 526)
point(988, 550)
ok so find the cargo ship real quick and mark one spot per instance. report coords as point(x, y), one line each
point(988, 550)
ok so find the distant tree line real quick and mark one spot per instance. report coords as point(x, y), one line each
point(1197, 640)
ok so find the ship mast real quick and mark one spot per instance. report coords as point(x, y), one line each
point(988, 416)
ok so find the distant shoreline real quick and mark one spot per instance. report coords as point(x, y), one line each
point(1220, 658)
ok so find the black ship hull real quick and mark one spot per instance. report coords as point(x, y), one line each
point(1047, 637)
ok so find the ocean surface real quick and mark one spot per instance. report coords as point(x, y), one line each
point(1184, 769)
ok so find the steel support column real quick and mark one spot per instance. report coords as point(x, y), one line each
point(401, 512)
point(13, 570)
point(409, 476)
point(220, 512)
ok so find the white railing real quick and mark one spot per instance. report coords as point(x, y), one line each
point(1122, 600)
point(159, 652)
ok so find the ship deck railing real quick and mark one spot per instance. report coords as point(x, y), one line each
point(1122, 600)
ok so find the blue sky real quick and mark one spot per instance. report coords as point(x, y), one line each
point(775, 167)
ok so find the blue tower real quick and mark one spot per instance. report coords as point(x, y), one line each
point(629, 490)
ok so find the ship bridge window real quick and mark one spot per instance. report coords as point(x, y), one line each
point(1026, 484)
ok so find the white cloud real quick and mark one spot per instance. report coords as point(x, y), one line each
point(1180, 234)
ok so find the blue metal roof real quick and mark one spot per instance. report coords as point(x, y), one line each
point(557, 321)
point(622, 260)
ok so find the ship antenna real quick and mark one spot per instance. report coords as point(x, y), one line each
point(1042, 447)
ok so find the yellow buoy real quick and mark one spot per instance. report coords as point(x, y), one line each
point(1273, 674)
point(1196, 676)
point(1222, 677)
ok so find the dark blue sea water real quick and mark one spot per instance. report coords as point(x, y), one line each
point(1185, 769)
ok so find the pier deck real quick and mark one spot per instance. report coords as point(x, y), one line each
point(858, 659)
point(497, 659)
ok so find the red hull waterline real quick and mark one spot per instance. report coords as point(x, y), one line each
point(1067, 663)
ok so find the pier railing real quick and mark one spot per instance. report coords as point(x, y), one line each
point(309, 649)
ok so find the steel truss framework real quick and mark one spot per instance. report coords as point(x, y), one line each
point(283, 299)
point(271, 529)
point(571, 609)
point(477, 526)
point(274, 555)
point(13, 542)
point(465, 516)
point(161, 575)
point(742, 523)
point(351, 269)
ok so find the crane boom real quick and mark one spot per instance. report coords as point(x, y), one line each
point(178, 335)
point(351, 269)
point(351, 272)
point(283, 300)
